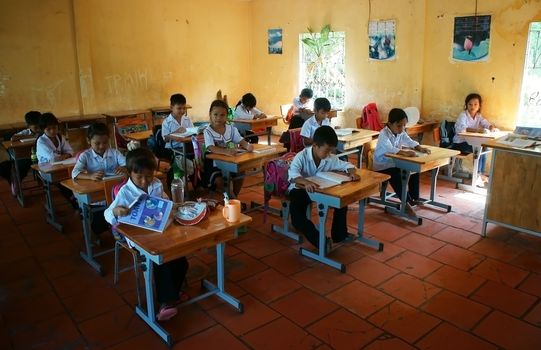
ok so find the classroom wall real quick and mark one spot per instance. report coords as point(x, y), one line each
point(390, 84)
point(446, 82)
point(78, 56)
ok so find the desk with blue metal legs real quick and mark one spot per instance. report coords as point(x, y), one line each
point(410, 165)
point(18, 150)
point(354, 142)
point(341, 196)
point(178, 241)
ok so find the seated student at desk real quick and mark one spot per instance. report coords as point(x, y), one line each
point(393, 138)
point(97, 162)
point(33, 130)
point(221, 138)
point(176, 122)
point(246, 109)
point(168, 277)
point(471, 120)
point(53, 147)
point(309, 162)
point(301, 109)
point(322, 107)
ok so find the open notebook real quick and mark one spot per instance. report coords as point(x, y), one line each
point(345, 131)
point(326, 179)
point(189, 132)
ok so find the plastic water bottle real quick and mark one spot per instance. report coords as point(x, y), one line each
point(177, 186)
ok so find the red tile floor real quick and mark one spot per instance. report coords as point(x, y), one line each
point(435, 286)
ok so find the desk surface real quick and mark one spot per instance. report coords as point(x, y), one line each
point(536, 151)
point(165, 109)
point(17, 144)
point(428, 125)
point(83, 186)
point(270, 119)
point(139, 136)
point(126, 113)
point(369, 179)
point(489, 135)
point(51, 167)
point(248, 156)
point(178, 240)
point(75, 118)
point(359, 134)
point(436, 154)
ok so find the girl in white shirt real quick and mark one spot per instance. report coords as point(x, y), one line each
point(246, 109)
point(394, 139)
point(222, 138)
point(471, 120)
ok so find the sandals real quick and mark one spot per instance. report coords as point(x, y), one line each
point(166, 313)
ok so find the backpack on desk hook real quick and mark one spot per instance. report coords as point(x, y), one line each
point(276, 178)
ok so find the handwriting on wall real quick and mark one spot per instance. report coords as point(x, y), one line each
point(133, 81)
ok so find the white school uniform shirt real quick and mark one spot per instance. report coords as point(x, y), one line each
point(242, 113)
point(212, 138)
point(310, 126)
point(465, 121)
point(27, 132)
point(92, 162)
point(128, 193)
point(390, 143)
point(170, 125)
point(297, 104)
point(304, 165)
point(46, 150)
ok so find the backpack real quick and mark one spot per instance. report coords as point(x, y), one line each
point(289, 114)
point(156, 143)
point(447, 131)
point(276, 178)
point(296, 144)
point(370, 119)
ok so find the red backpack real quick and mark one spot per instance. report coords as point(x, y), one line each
point(276, 178)
point(370, 119)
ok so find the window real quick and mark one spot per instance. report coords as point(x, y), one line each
point(322, 66)
point(529, 115)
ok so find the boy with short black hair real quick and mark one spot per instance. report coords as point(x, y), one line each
point(311, 160)
point(176, 122)
point(33, 128)
point(322, 107)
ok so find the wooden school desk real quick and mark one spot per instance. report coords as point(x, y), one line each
point(265, 123)
point(78, 121)
point(18, 150)
point(514, 191)
point(338, 197)
point(427, 126)
point(87, 192)
point(141, 137)
point(355, 143)
point(243, 162)
point(476, 140)
point(51, 173)
point(177, 241)
point(410, 165)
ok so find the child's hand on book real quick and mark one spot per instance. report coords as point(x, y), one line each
point(408, 153)
point(249, 147)
point(354, 177)
point(310, 187)
point(97, 176)
point(424, 150)
point(121, 211)
point(121, 170)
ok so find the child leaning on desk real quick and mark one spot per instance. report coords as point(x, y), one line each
point(222, 138)
point(322, 107)
point(51, 146)
point(394, 139)
point(246, 109)
point(97, 162)
point(471, 120)
point(311, 160)
point(168, 277)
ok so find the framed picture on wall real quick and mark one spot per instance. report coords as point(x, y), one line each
point(471, 38)
point(275, 41)
point(381, 40)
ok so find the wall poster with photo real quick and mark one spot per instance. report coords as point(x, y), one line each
point(275, 41)
point(382, 40)
point(471, 38)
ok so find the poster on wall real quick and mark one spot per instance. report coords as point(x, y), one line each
point(471, 38)
point(381, 40)
point(275, 41)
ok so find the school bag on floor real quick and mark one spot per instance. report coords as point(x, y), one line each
point(276, 178)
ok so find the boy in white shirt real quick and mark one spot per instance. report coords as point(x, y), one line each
point(306, 163)
point(394, 139)
point(302, 108)
point(322, 107)
point(246, 109)
point(176, 122)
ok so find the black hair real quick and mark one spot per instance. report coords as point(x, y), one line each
point(396, 115)
point(97, 129)
point(177, 99)
point(471, 97)
point(306, 92)
point(140, 159)
point(47, 119)
point(32, 118)
point(321, 103)
point(325, 135)
point(248, 100)
point(220, 104)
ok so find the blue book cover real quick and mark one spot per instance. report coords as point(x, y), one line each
point(151, 213)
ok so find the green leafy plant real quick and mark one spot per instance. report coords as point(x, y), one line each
point(317, 43)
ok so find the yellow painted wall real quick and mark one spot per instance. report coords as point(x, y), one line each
point(446, 83)
point(38, 69)
point(80, 56)
point(390, 84)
